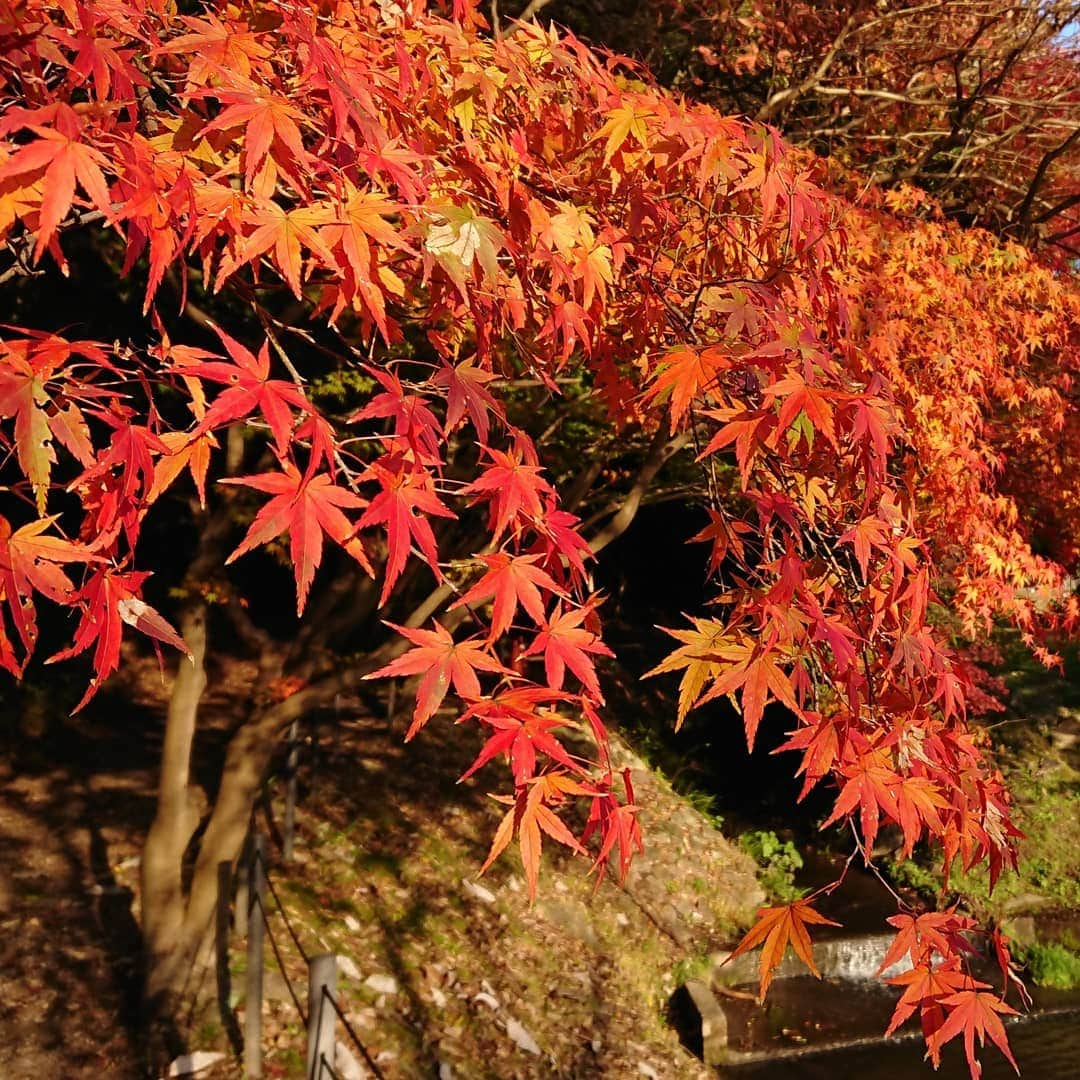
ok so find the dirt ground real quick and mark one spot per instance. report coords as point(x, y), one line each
point(76, 798)
point(68, 938)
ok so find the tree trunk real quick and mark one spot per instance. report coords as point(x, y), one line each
point(246, 763)
point(179, 809)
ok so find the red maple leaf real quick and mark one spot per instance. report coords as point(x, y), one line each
point(918, 801)
point(724, 533)
point(305, 507)
point(618, 826)
point(465, 392)
point(444, 662)
point(801, 398)
point(920, 935)
point(561, 543)
point(513, 487)
point(249, 389)
point(531, 816)
point(684, 376)
point(974, 1012)
point(820, 742)
point(758, 680)
point(215, 46)
point(924, 986)
point(1007, 966)
point(871, 785)
point(282, 232)
point(512, 580)
point(30, 562)
point(29, 366)
point(125, 469)
point(66, 160)
point(407, 496)
point(267, 118)
point(520, 737)
point(111, 598)
point(414, 422)
point(566, 643)
point(868, 533)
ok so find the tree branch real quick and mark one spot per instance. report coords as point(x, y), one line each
point(660, 451)
point(1048, 159)
point(788, 97)
point(533, 8)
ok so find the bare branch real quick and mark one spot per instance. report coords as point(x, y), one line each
point(786, 98)
point(1048, 159)
point(660, 451)
point(533, 8)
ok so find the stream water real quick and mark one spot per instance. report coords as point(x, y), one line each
point(811, 1029)
point(1046, 1046)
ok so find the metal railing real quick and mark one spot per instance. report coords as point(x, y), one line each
point(317, 1005)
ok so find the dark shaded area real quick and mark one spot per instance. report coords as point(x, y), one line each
point(655, 578)
point(70, 967)
point(683, 1016)
point(78, 794)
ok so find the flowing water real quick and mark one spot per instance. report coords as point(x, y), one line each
point(810, 1029)
point(1046, 1046)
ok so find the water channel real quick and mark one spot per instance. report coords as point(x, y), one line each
point(812, 1030)
point(1046, 1045)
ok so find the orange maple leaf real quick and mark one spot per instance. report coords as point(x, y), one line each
point(777, 927)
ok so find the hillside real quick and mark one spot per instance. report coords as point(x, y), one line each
point(440, 969)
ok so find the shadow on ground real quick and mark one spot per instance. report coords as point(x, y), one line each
point(76, 798)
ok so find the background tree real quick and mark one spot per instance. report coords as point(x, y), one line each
point(976, 101)
point(349, 241)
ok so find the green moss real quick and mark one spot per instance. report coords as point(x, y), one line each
point(291, 1060)
point(778, 859)
point(913, 874)
point(705, 804)
point(438, 852)
point(690, 967)
point(341, 388)
point(1053, 965)
point(207, 1034)
point(377, 862)
point(1048, 812)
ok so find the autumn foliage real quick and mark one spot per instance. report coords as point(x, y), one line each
point(975, 102)
point(880, 400)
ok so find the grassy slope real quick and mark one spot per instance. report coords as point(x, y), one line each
point(388, 850)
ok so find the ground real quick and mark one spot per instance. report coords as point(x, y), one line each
point(440, 970)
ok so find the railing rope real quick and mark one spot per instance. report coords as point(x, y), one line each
point(351, 1032)
point(327, 1070)
point(251, 917)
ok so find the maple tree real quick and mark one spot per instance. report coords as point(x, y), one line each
point(977, 102)
point(409, 221)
